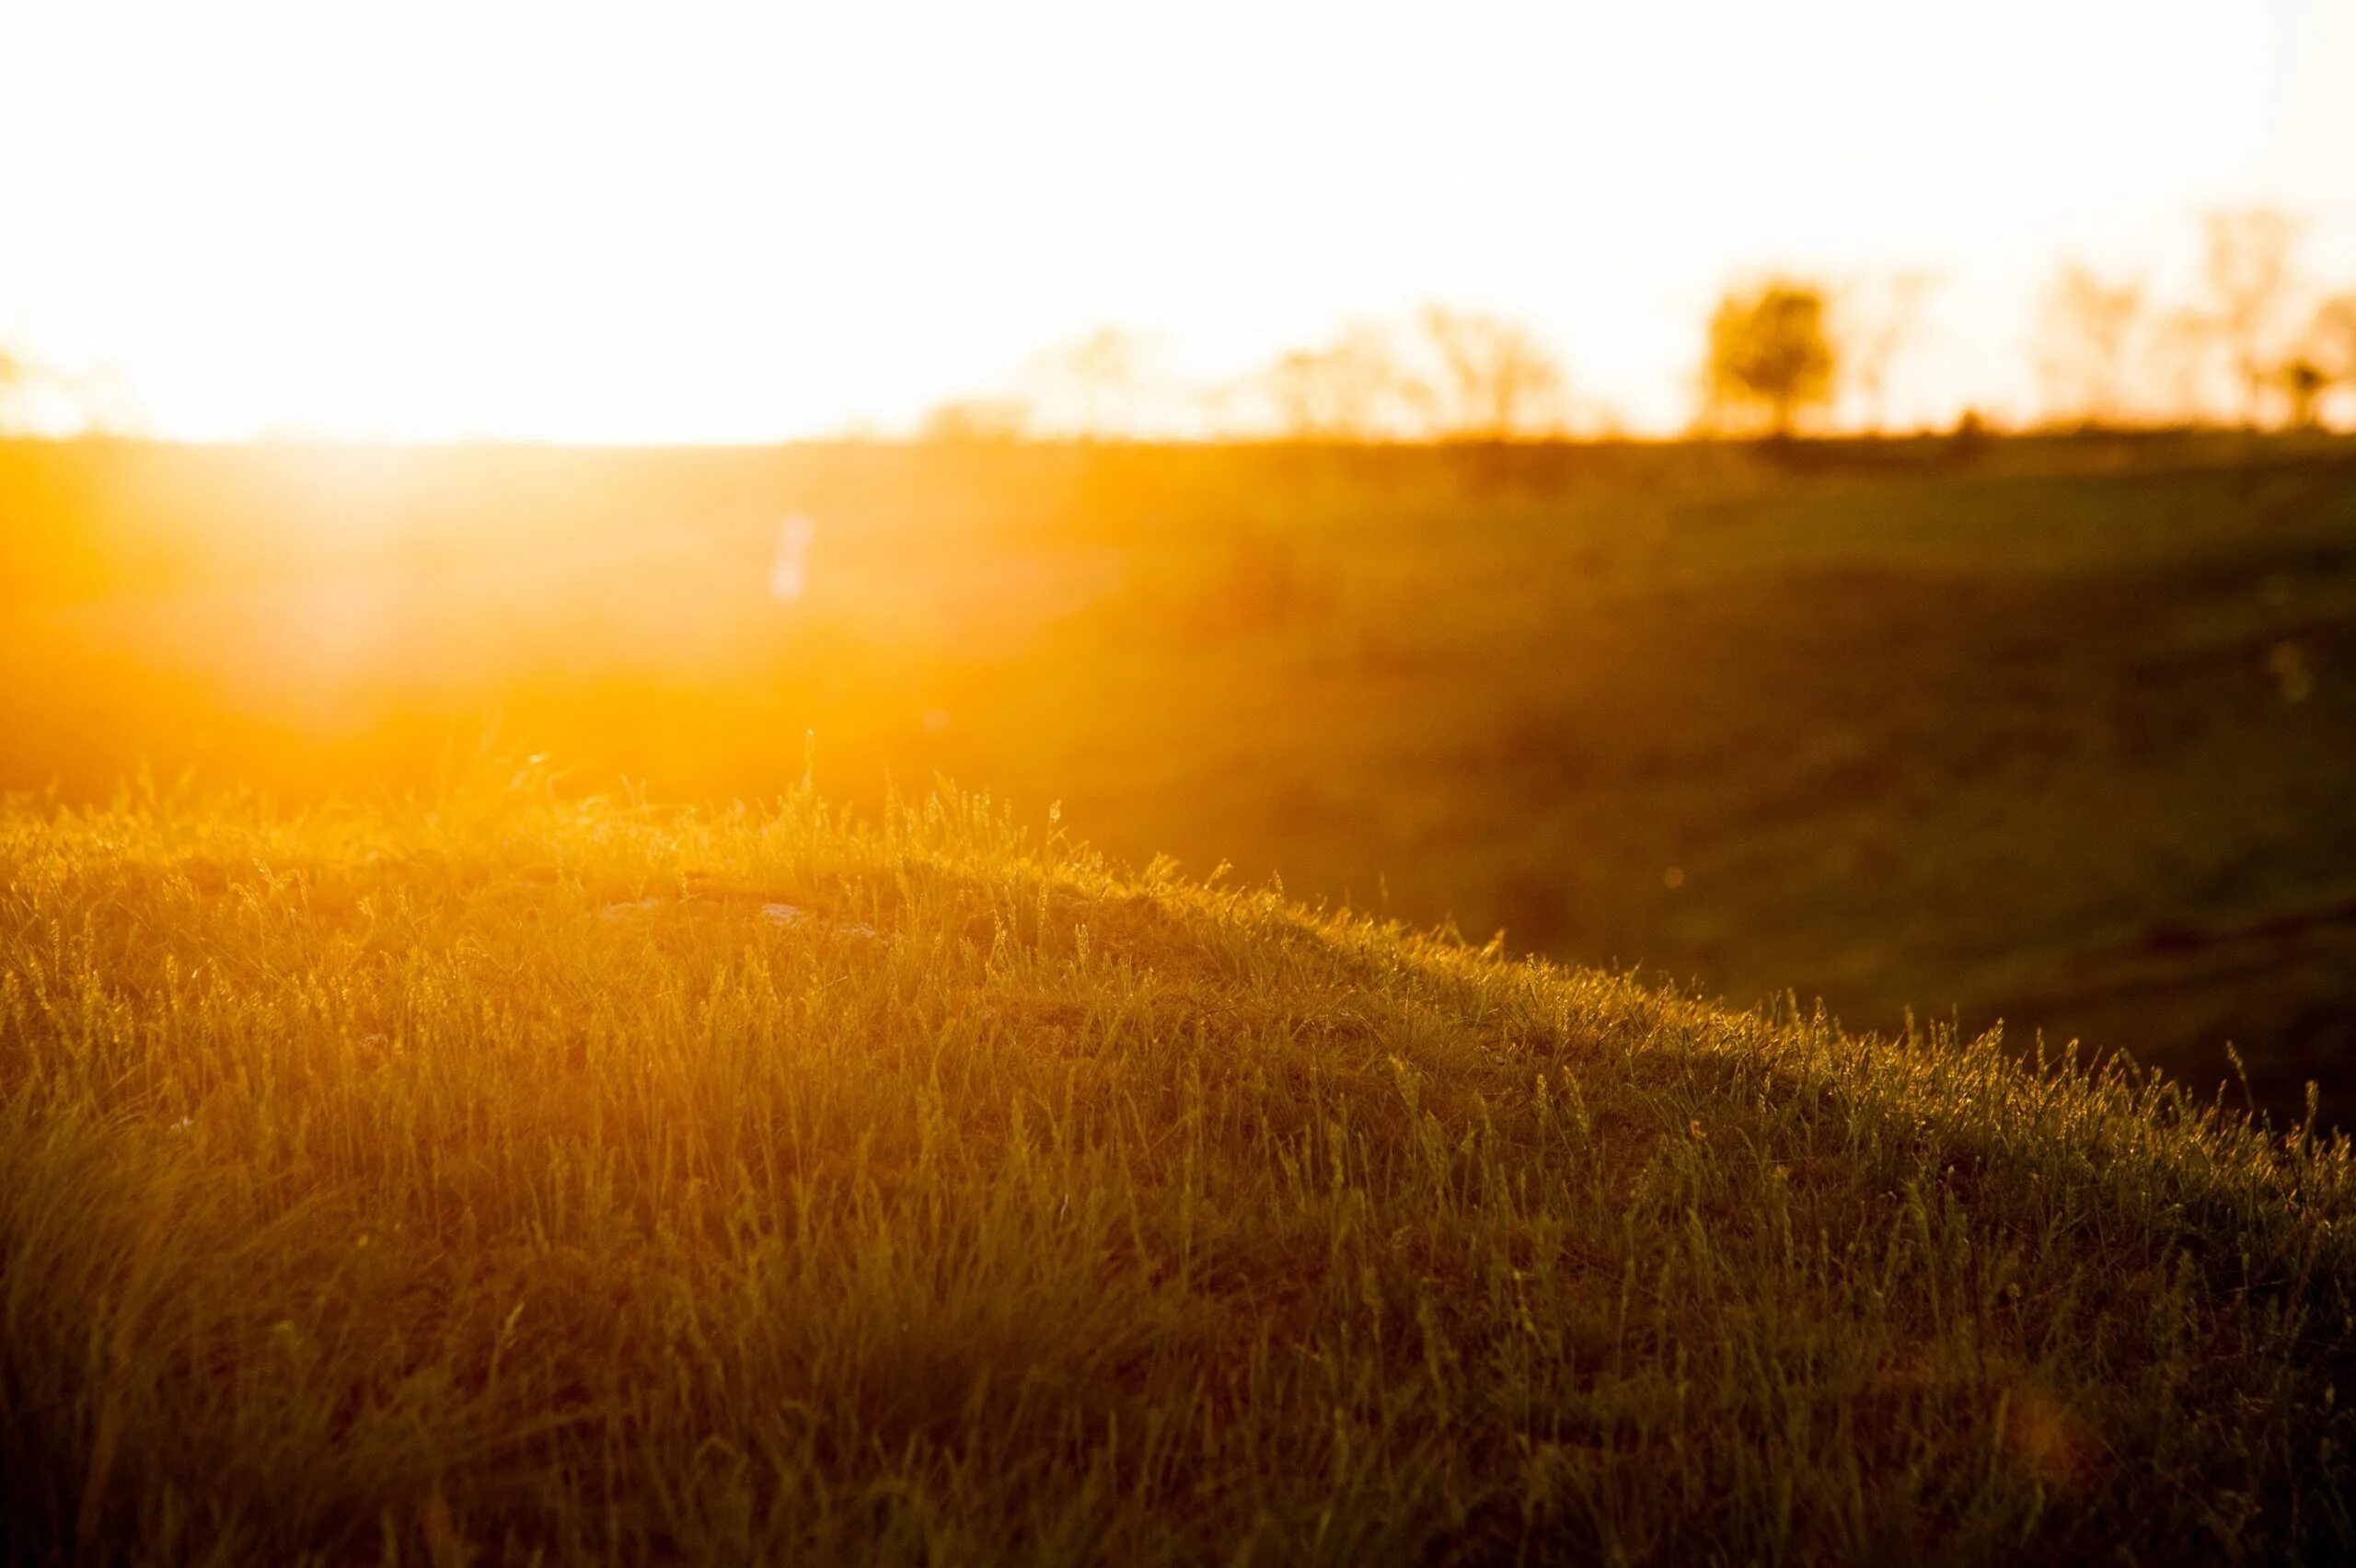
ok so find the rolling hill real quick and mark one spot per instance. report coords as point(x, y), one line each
point(518, 1176)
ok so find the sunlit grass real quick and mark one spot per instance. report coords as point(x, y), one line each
point(507, 1179)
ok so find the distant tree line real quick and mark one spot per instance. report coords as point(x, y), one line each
point(1782, 355)
point(2255, 343)
point(1437, 374)
point(2251, 342)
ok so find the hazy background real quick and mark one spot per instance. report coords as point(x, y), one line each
point(739, 223)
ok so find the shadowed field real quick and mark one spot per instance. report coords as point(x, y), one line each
point(2055, 731)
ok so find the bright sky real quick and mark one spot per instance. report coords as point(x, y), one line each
point(677, 222)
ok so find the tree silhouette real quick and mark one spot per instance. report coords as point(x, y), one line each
point(1448, 374)
point(2087, 334)
point(2304, 382)
point(1875, 320)
point(2250, 281)
point(2326, 359)
point(1769, 351)
point(1353, 389)
point(1492, 381)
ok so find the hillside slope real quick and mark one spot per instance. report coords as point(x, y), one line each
point(520, 1179)
point(2058, 732)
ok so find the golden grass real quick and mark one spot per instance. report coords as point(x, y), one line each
point(501, 1178)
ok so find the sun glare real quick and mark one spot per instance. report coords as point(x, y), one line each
point(565, 223)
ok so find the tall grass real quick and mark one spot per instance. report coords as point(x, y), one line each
point(521, 1179)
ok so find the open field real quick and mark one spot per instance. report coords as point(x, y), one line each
point(515, 1178)
point(2056, 731)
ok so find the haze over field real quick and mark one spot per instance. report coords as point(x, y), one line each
point(750, 222)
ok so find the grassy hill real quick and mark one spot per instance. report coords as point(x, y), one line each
point(2059, 733)
point(520, 1177)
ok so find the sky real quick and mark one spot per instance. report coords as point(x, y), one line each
point(737, 222)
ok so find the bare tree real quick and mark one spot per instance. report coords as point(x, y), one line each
point(2326, 359)
point(1101, 385)
point(2303, 383)
point(2332, 334)
point(2089, 332)
point(1355, 388)
point(1769, 351)
point(1492, 380)
point(1874, 323)
point(2184, 370)
point(2251, 279)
